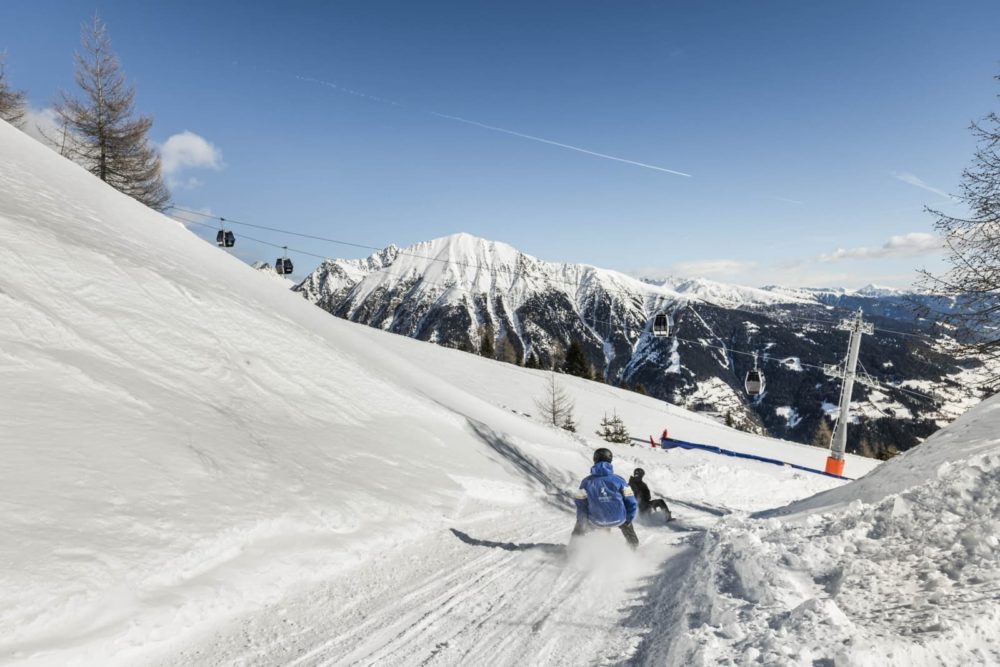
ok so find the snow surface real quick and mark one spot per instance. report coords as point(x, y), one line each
point(790, 414)
point(200, 467)
point(899, 568)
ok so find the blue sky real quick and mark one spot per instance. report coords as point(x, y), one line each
point(813, 133)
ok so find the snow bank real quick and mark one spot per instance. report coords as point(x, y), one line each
point(972, 434)
point(899, 568)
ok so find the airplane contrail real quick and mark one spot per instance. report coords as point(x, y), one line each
point(557, 143)
point(492, 128)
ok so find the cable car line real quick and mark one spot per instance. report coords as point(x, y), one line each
point(248, 238)
point(470, 265)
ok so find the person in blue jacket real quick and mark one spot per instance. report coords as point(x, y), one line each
point(605, 500)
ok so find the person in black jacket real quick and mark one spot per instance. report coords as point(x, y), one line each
point(646, 504)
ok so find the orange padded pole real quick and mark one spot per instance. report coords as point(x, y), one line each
point(835, 466)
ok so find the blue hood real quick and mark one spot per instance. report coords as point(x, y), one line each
point(604, 499)
point(602, 469)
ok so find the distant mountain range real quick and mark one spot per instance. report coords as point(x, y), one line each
point(456, 290)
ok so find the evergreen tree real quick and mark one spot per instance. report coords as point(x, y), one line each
point(576, 363)
point(532, 361)
point(104, 135)
point(973, 245)
point(568, 423)
point(614, 430)
point(12, 106)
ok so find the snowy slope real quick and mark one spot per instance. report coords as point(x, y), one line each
point(174, 421)
point(201, 467)
point(899, 568)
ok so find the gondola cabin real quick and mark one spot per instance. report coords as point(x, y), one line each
point(225, 239)
point(283, 266)
point(754, 382)
point(661, 325)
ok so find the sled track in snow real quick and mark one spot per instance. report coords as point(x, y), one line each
point(470, 616)
point(512, 599)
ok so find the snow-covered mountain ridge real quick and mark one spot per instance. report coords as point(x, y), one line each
point(459, 290)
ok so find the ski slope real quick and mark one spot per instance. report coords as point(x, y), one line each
point(200, 467)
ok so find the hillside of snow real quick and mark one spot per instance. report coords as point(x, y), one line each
point(191, 450)
point(899, 568)
point(201, 467)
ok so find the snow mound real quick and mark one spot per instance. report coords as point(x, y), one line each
point(899, 568)
point(970, 435)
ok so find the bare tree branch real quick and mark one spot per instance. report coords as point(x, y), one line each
point(973, 280)
point(12, 105)
point(103, 133)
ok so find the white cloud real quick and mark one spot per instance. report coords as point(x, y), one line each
point(44, 126)
point(188, 150)
point(181, 151)
point(189, 183)
point(844, 267)
point(913, 244)
point(708, 268)
point(711, 268)
point(911, 179)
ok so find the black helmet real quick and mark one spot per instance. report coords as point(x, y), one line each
point(638, 472)
point(603, 454)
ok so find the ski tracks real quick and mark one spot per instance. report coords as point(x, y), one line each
point(458, 598)
point(508, 603)
point(493, 604)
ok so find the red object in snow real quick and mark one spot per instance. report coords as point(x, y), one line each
point(652, 443)
point(834, 466)
point(664, 436)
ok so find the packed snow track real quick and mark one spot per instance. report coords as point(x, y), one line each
point(501, 590)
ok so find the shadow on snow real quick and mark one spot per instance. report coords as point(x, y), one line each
point(547, 547)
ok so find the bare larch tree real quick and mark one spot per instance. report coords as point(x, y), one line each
point(973, 250)
point(104, 134)
point(12, 105)
point(555, 406)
